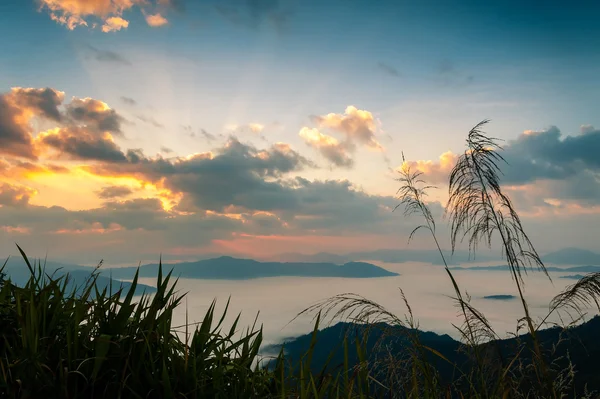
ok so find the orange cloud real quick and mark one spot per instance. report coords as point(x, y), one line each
point(12, 195)
point(114, 24)
point(156, 20)
point(74, 13)
point(17, 108)
point(435, 172)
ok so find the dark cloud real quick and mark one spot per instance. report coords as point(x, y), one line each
point(44, 102)
point(15, 137)
point(107, 56)
point(14, 196)
point(110, 192)
point(95, 114)
point(128, 100)
point(208, 136)
point(80, 143)
point(549, 165)
point(236, 175)
point(151, 121)
point(388, 69)
point(547, 155)
point(17, 107)
point(166, 150)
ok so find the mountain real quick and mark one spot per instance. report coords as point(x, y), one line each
point(18, 272)
point(388, 256)
point(573, 277)
point(573, 269)
point(228, 268)
point(321, 257)
point(579, 343)
point(330, 342)
point(572, 256)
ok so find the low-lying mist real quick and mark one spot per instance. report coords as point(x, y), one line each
point(427, 287)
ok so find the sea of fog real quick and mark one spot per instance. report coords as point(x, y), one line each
point(427, 287)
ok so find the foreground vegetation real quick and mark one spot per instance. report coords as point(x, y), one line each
point(60, 341)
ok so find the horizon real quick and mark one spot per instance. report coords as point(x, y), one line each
point(131, 129)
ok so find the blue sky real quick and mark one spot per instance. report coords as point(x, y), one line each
point(426, 71)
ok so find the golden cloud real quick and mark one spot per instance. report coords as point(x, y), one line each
point(114, 24)
point(328, 146)
point(74, 13)
point(356, 124)
point(434, 171)
point(17, 108)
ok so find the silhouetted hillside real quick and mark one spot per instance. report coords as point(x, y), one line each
point(580, 343)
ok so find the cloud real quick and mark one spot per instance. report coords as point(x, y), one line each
point(436, 172)
point(25, 169)
point(80, 143)
point(237, 189)
point(549, 165)
point(95, 114)
point(388, 69)
point(254, 128)
point(329, 147)
point(128, 100)
point(17, 108)
point(166, 150)
point(15, 196)
point(84, 129)
point(587, 129)
point(209, 137)
point(359, 126)
point(114, 24)
point(237, 174)
point(107, 55)
point(151, 121)
point(110, 192)
point(156, 20)
point(104, 14)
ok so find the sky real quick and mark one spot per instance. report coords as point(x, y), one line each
point(134, 128)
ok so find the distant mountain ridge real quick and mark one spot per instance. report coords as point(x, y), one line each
point(18, 272)
point(388, 256)
point(572, 256)
point(229, 268)
point(573, 269)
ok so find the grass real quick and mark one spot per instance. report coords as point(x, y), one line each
point(61, 342)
